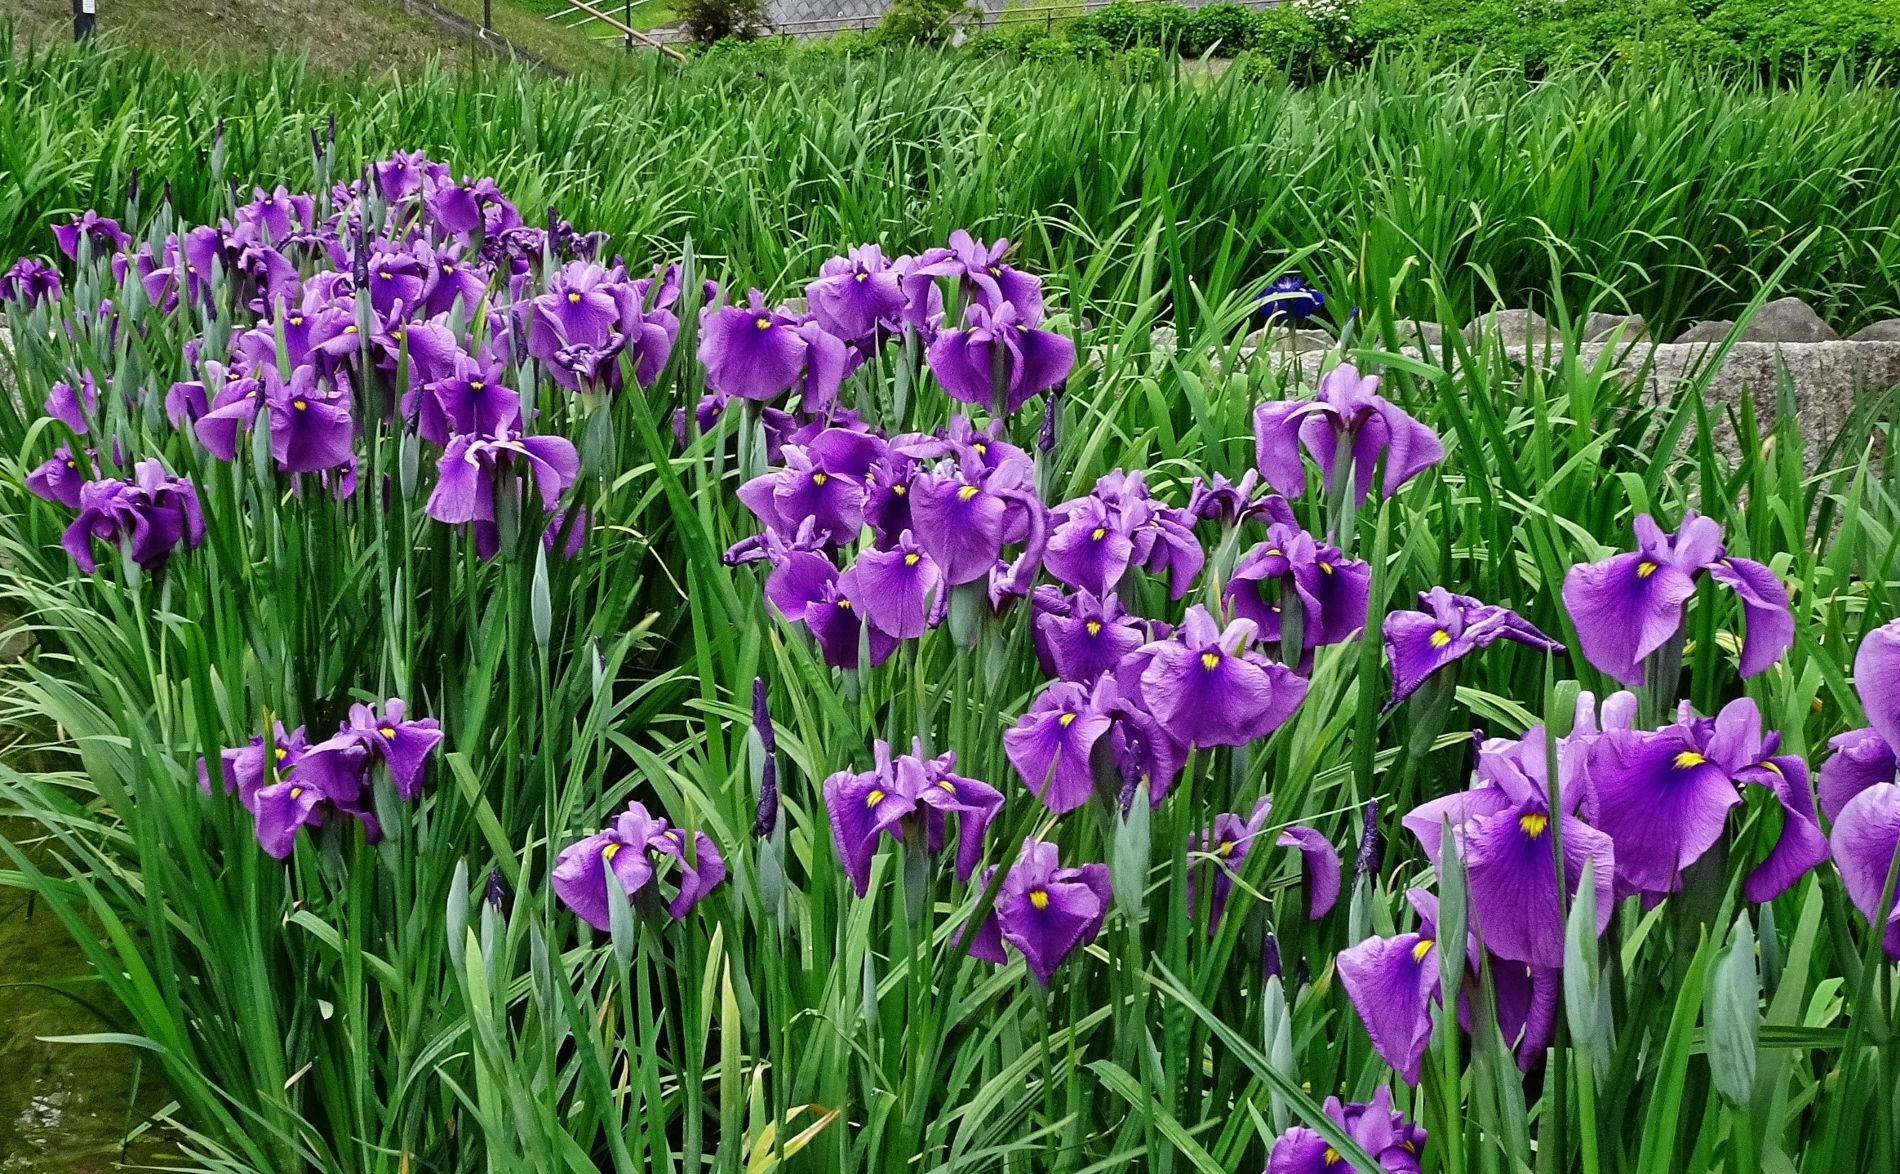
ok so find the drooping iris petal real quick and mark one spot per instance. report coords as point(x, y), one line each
point(1661, 799)
point(1319, 862)
point(1861, 759)
point(1625, 608)
point(1347, 408)
point(1089, 549)
point(1802, 845)
point(750, 351)
point(1050, 744)
point(1865, 838)
point(1768, 625)
point(1392, 982)
point(1447, 628)
point(898, 588)
point(1513, 880)
point(1046, 911)
point(961, 524)
point(1091, 639)
point(1877, 680)
point(1208, 690)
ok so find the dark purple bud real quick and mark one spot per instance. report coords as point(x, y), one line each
point(1270, 956)
point(359, 269)
point(217, 133)
point(495, 894)
point(679, 427)
point(1047, 439)
point(132, 190)
point(1368, 862)
point(316, 142)
point(766, 819)
point(166, 196)
point(333, 128)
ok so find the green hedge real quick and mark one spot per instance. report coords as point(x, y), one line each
point(1307, 39)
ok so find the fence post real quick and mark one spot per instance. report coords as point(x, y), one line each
point(84, 16)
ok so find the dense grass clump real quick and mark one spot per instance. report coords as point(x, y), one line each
point(1672, 194)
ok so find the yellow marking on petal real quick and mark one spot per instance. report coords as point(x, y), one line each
point(1327, 567)
point(819, 478)
point(1276, 552)
point(910, 560)
point(862, 276)
point(388, 732)
point(762, 322)
point(299, 404)
point(386, 275)
point(1039, 898)
point(1440, 638)
point(995, 271)
point(1645, 569)
point(1423, 948)
point(573, 297)
point(607, 854)
point(1210, 660)
point(447, 268)
point(72, 464)
point(844, 605)
point(1226, 849)
point(1533, 823)
point(281, 752)
point(981, 448)
point(1771, 766)
point(1065, 719)
point(874, 798)
point(1094, 627)
point(1101, 532)
point(1689, 758)
point(350, 329)
point(476, 385)
point(946, 785)
point(967, 492)
point(1331, 1156)
point(296, 319)
point(295, 792)
point(899, 489)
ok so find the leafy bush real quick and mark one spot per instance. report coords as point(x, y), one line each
point(711, 21)
point(926, 22)
point(1047, 48)
point(1228, 26)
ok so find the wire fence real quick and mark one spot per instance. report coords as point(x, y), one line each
point(814, 18)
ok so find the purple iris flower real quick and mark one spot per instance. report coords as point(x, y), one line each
point(1629, 605)
point(1502, 828)
point(1348, 418)
point(1865, 757)
point(1208, 687)
point(1331, 589)
point(1228, 503)
point(187, 401)
point(1290, 297)
point(233, 410)
point(465, 491)
point(468, 206)
point(278, 213)
point(818, 482)
point(1088, 636)
point(854, 293)
point(151, 513)
point(1449, 628)
point(965, 517)
point(73, 406)
point(455, 277)
point(59, 478)
point(1044, 910)
point(105, 232)
point(993, 283)
point(30, 281)
point(1050, 745)
point(1664, 797)
point(1096, 539)
point(1229, 841)
point(310, 428)
point(573, 327)
point(325, 778)
point(401, 175)
point(917, 276)
point(472, 400)
point(400, 743)
point(1393, 982)
point(751, 351)
point(242, 768)
point(1866, 835)
point(635, 850)
point(901, 588)
point(999, 343)
point(398, 279)
point(907, 795)
point(835, 617)
point(431, 346)
point(1385, 1134)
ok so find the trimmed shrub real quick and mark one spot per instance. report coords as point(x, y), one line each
point(711, 21)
